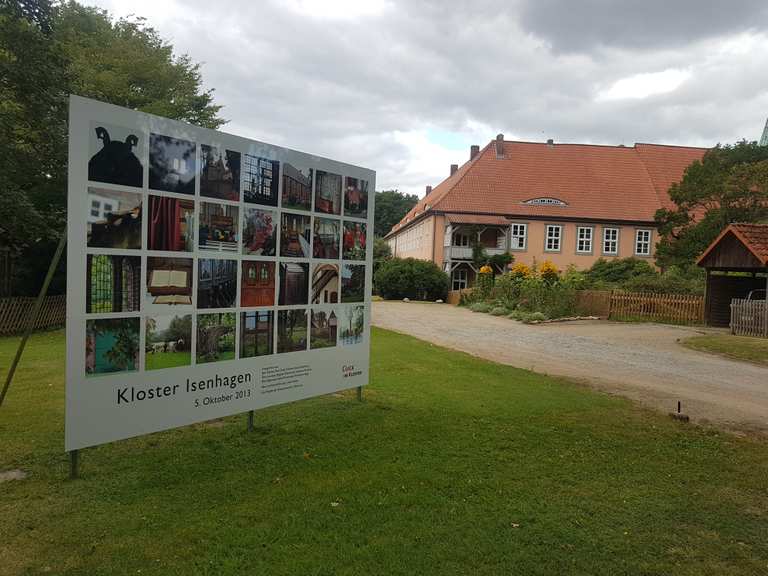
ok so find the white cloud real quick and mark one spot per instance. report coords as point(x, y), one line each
point(338, 9)
point(403, 87)
point(644, 85)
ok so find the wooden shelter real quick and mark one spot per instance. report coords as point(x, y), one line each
point(736, 263)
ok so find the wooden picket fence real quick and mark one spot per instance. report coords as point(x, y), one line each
point(14, 313)
point(675, 308)
point(616, 305)
point(749, 317)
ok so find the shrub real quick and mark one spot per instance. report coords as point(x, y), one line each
point(484, 282)
point(549, 272)
point(399, 278)
point(536, 317)
point(672, 281)
point(617, 271)
point(480, 307)
point(554, 300)
point(499, 311)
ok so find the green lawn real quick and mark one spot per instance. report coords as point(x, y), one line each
point(737, 347)
point(452, 465)
point(167, 359)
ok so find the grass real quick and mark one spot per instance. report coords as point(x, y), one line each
point(737, 347)
point(167, 359)
point(452, 465)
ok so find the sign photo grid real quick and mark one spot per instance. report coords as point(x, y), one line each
point(208, 274)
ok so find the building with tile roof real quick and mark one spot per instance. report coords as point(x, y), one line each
point(740, 248)
point(567, 203)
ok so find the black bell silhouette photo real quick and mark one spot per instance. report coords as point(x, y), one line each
point(115, 161)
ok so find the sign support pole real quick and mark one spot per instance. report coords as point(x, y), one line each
point(250, 421)
point(35, 313)
point(359, 393)
point(74, 464)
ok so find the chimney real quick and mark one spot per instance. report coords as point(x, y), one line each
point(500, 146)
point(454, 169)
point(474, 150)
point(550, 142)
point(429, 190)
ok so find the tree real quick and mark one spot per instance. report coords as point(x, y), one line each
point(48, 51)
point(391, 206)
point(729, 184)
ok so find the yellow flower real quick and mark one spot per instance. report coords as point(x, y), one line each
point(485, 269)
point(549, 271)
point(521, 270)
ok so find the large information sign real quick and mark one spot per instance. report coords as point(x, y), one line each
point(207, 274)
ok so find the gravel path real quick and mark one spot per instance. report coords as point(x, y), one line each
point(641, 361)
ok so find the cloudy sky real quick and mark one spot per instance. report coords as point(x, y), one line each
point(405, 87)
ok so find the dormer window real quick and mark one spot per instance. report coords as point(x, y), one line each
point(546, 201)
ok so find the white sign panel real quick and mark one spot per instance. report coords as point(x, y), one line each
point(207, 274)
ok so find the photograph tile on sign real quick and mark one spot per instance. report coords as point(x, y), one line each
point(112, 283)
point(327, 192)
point(169, 281)
point(115, 155)
point(352, 325)
point(257, 283)
point(215, 337)
point(259, 232)
point(168, 341)
point(257, 333)
point(295, 235)
point(323, 328)
point(291, 330)
point(171, 225)
point(112, 345)
point(355, 197)
point(219, 173)
point(216, 283)
point(260, 180)
point(354, 241)
point(353, 283)
point(113, 219)
point(326, 238)
point(294, 284)
point(297, 186)
point(325, 284)
point(171, 164)
point(218, 230)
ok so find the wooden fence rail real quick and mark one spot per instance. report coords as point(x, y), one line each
point(749, 317)
point(677, 308)
point(14, 313)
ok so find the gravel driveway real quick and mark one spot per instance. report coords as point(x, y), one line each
point(641, 361)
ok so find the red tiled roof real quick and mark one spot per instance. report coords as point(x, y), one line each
point(753, 236)
point(477, 219)
point(594, 182)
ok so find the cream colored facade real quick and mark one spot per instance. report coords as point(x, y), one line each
point(563, 243)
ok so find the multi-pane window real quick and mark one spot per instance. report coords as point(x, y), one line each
point(460, 239)
point(643, 243)
point(553, 238)
point(610, 241)
point(584, 240)
point(518, 238)
point(460, 279)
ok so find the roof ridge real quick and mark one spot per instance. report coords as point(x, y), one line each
point(672, 146)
